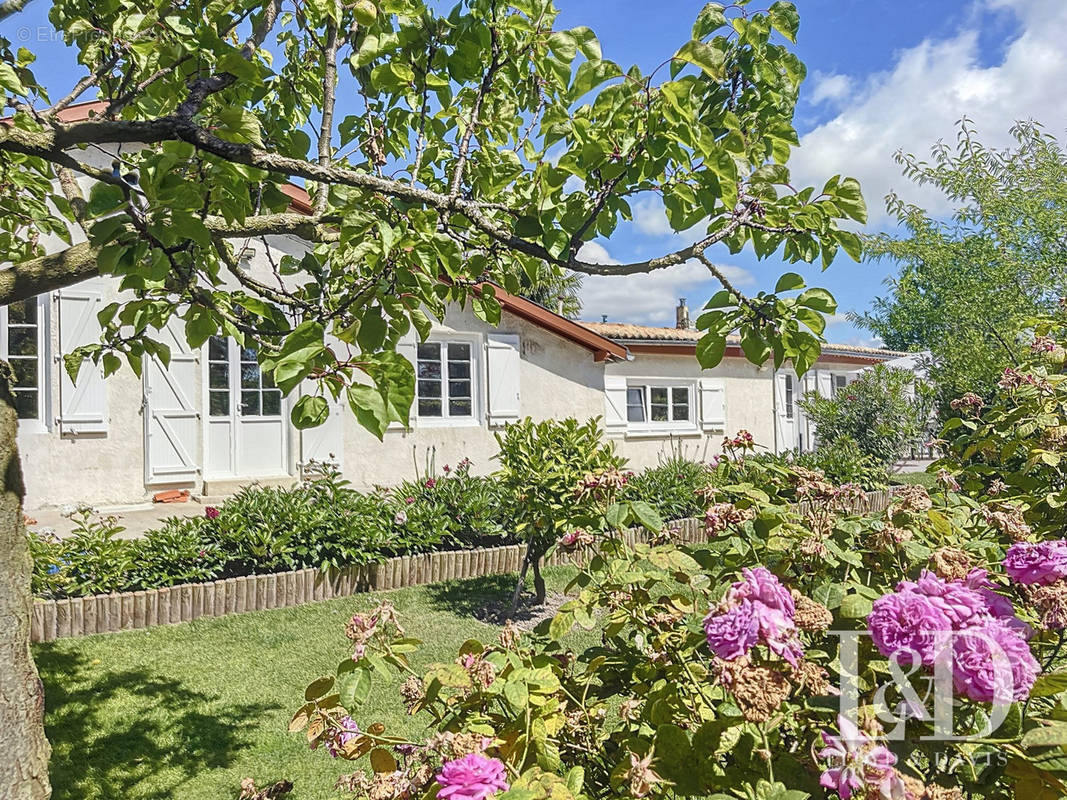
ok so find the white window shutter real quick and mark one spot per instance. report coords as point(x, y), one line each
point(713, 404)
point(614, 404)
point(82, 405)
point(826, 383)
point(502, 368)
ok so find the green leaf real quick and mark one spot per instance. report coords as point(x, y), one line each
point(1049, 683)
point(103, 199)
point(785, 19)
point(709, 20)
point(365, 12)
point(355, 687)
point(310, 411)
point(855, 606)
point(819, 300)
point(708, 58)
point(711, 347)
point(1046, 736)
point(789, 282)
point(647, 516)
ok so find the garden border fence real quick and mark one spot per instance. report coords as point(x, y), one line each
point(126, 611)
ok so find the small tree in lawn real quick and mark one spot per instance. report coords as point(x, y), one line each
point(883, 412)
point(442, 154)
point(543, 467)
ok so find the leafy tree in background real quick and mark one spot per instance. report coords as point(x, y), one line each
point(554, 290)
point(882, 413)
point(438, 150)
point(969, 285)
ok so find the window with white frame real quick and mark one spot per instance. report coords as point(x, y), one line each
point(659, 405)
point(445, 386)
point(22, 328)
point(840, 382)
point(790, 412)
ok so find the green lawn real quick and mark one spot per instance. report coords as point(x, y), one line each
point(188, 711)
point(924, 479)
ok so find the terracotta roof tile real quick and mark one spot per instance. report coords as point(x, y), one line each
point(625, 332)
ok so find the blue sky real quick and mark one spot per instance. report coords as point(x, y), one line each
point(882, 75)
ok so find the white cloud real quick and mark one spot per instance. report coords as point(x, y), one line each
point(651, 218)
point(648, 298)
point(929, 87)
point(830, 88)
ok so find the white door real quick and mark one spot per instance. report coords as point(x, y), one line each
point(246, 429)
point(172, 423)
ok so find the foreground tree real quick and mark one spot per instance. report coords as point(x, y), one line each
point(969, 286)
point(442, 153)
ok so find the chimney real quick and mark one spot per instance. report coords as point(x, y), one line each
point(603, 317)
point(682, 315)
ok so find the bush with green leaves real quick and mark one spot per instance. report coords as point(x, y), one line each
point(92, 560)
point(672, 487)
point(884, 411)
point(841, 462)
point(713, 670)
point(544, 467)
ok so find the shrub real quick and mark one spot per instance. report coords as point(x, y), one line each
point(842, 461)
point(672, 486)
point(89, 561)
point(883, 412)
point(177, 553)
point(543, 467)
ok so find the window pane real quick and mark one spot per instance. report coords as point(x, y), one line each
point(272, 403)
point(25, 370)
point(217, 349)
point(218, 376)
point(429, 407)
point(679, 404)
point(635, 404)
point(458, 351)
point(460, 408)
point(429, 351)
point(248, 354)
point(250, 404)
point(219, 403)
point(21, 341)
point(459, 369)
point(249, 376)
point(459, 388)
point(659, 413)
point(659, 395)
point(24, 311)
point(429, 388)
point(681, 412)
point(26, 403)
point(430, 369)
point(265, 380)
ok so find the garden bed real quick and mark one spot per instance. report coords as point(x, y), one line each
point(122, 611)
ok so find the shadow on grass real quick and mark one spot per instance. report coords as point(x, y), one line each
point(473, 596)
point(120, 733)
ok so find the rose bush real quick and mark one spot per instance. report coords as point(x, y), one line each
point(717, 667)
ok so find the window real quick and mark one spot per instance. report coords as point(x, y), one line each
point(21, 327)
point(445, 372)
point(840, 382)
point(659, 405)
point(789, 397)
point(259, 396)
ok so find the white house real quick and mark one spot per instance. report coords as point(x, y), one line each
point(211, 421)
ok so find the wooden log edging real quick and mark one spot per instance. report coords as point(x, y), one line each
point(110, 613)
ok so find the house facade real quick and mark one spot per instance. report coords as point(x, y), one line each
point(211, 421)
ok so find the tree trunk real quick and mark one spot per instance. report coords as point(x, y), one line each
point(24, 750)
point(519, 584)
point(539, 582)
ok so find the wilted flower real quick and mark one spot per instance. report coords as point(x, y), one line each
point(759, 691)
point(721, 516)
point(481, 671)
point(413, 692)
point(400, 518)
point(1043, 344)
point(510, 636)
point(1006, 518)
point(911, 498)
point(951, 563)
point(948, 480)
point(640, 776)
point(472, 777)
point(811, 615)
point(968, 402)
point(337, 736)
point(579, 537)
point(1050, 602)
point(997, 487)
point(859, 765)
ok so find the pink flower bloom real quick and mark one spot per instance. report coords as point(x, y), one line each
point(732, 634)
point(992, 664)
point(336, 738)
point(907, 625)
point(473, 777)
point(762, 585)
point(447, 469)
point(211, 512)
point(400, 518)
point(431, 482)
point(409, 500)
point(961, 604)
point(1042, 563)
point(859, 765)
